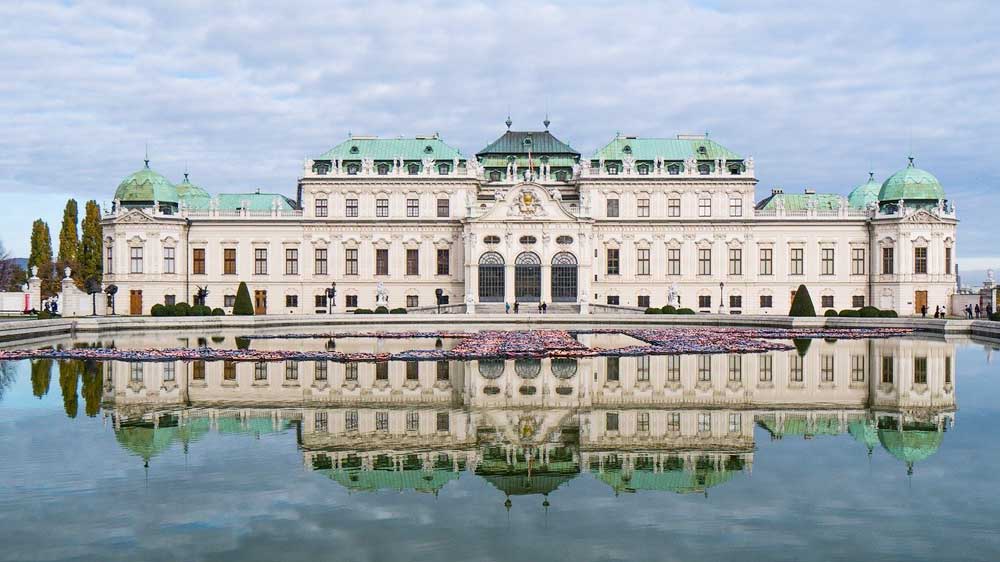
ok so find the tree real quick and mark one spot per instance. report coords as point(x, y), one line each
point(243, 305)
point(69, 243)
point(41, 256)
point(12, 276)
point(69, 377)
point(41, 376)
point(89, 257)
point(802, 304)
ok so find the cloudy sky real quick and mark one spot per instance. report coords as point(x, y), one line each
point(241, 92)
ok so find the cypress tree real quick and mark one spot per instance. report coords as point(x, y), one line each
point(41, 376)
point(802, 304)
point(69, 243)
point(41, 256)
point(90, 244)
point(69, 377)
point(243, 305)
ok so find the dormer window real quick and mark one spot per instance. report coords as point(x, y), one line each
point(355, 150)
point(612, 170)
point(674, 169)
point(527, 141)
point(495, 175)
point(428, 149)
point(561, 175)
point(702, 150)
point(627, 149)
point(352, 169)
point(704, 169)
point(321, 169)
point(643, 170)
point(443, 169)
point(734, 169)
point(413, 169)
point(383, 169)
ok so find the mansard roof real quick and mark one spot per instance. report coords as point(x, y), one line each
point(683, 147)
point(800, 201)
point(519, 142)
point(416, 148)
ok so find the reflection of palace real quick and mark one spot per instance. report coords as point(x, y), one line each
point(678, 423)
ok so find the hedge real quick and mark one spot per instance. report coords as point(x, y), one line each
point(868, 312)
point(218, 312)
point(182, 309)
point(243, 305)
point(887, 314)
point(362, 311)
point(653, 310)
point(802, 304)
point(684, 311)
point(668, 309)
point(830, 312)
point(381, 310)
point(157, 310)
point(398, 311)
point(849, 313)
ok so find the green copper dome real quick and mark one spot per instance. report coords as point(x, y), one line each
point(188, 189)
point(146, 186)
point(865, 194)
point(911, 184)
point(911, 445)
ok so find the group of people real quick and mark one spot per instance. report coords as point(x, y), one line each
point(542, 307)
point(972, 312)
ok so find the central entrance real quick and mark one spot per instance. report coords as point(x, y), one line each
point(564, 277)
point(528, 277)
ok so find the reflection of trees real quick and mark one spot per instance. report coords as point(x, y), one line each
point(7, 375)
point(41, 376)
point(69, 373)
point(92, 389)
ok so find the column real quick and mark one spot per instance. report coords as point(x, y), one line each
point(546, 283)
point(509, 283)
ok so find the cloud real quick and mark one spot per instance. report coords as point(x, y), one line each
point(817, 94)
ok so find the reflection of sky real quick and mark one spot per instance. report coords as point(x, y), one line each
point(69, 492)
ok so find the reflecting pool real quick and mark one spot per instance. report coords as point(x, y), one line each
point(881, 449)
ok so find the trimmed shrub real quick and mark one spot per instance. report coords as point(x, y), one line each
point(995, 317)
point(668, 309)
point(684, 311)
point(802, 346)
point(243, 305)
point(398, 311)
point(157, 310)
point(653, 310)
point(218, 312)
point(849, 313)
point(830, 312)
point(887, 314)
point(802, 304)
point(182, 309)
point(381, 310)
point(868, 312)
point(201, 310)
point(242, 343)
point(362, 311)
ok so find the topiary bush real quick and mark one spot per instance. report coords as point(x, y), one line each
point(653, 310)
point(362, 311)
point(182, 309)
point(849, 313)
point(201, 310)
point(830, 312)
point(243, 305)
point(157, 310)
point(888, 314)
point(668, 309)
point(218, 312)
point(684, 311)
point(802, 346)
point(381, 310)
point(398, 311)
point(802, 304)
point(868, 312)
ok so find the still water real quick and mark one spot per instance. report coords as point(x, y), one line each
point(839, 450)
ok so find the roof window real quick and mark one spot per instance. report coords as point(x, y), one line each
point(702, 150)
point(355, 150)
point(627, 149)
point(428, 149)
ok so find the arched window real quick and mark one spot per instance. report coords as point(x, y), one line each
point(322, 169)
point(528, 277)
point(528, 258)
point(491, 368)
point(564, 367)
point(491, 277)
point(528, 240)
point(383, 169)
point(704, 169)
point(495, 175)
point(413, 169)
point(443, 169)
point(491, 258)
point(355, 150)
point(527, 368)
point(564, 277)
point(643, 170)
point(674, 169)
point(564, 240)
point(491, 239)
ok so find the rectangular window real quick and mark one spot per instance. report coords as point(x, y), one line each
point(887, 369)
point(613, 268)
point(795, 368)
point(765, 367)
point(766, 261)
point(413, 421)
point(135, 371)
point(351, 208)
point(735, 422)
point(322, 421)
point(857, 261)
point(170, 264)
point(109, 253)
point(735, 207)
point(612, 365)
point(443, 421)
point(643, 208)
point(704, 301)
point(642, 422)
point(198, 261)
point(229, 301)
point(229, 370)
point(704, 207)
point(412, 301)
point(135, 262)
point(413, 208)
point(826, 368)
point(826, 301)
point(260, 371)
point(674, 422)
point(736, 301)
point(381, 261)
point(735, 261)
point(229, 261)
point(920, 260)
point(351, 420)
point(704, 261)
point(443, 208)
point(291, 301)
point(827, 261)
point(766, 301)
point(947, 261)
point(643, 301)
point(351, 261)
point(412, 371)
point(260, 261)
point(673, 261)
point(443, 371)
point(674, 368)
point(350, 372)
point(947, 369)
point(291, 261)
point(169, 300)
point(291, 370)
point(443, 261)
point(351, 301)
point(321, 262)
point(642, 368)
point(798, 262)
point(320, 301)
point(673, 207)
point(888, 260)
point(169, 371)
point(612, 208)
point(919, 370)
point(412, 262)
point(858, 368)
point(858, 301)
point(381, 421)
point(735, 368)
point(704, 422)
point(382, 371)
point(611, 421)
point(613, 300)
point(381, 208)
point(321, 370)
point(321, 208)
point(704, 368)
point(643, 265)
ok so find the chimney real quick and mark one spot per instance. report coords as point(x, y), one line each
point(777, 191)
point(810, 191)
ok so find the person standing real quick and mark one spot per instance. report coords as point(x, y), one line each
point(923, 311)
point(517, 306)
point(506, 307)
point(545, 307)
point(979, 311)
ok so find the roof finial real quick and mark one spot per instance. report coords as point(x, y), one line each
point(185, 172)
point(546, 122)
point(871, 175)
point(910, 158)
point(508, 121)
point(146, 160)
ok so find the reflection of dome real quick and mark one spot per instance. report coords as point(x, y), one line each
point(146, 186)
point(864, 432)
point(524, 478)
point(673, 478)
point(146, 441)
point(911, 445)
point(911, 184)
point(865, 194)
point(413, 476)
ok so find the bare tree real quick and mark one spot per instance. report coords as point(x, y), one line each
point(11, 274)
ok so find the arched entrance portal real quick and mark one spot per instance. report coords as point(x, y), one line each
point(528, 277)
point(564, 284)
point(491, 277)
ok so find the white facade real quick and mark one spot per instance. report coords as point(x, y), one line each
point(606, 234)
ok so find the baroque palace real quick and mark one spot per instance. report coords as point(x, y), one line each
point(412, 222)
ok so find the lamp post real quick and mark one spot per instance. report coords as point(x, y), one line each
point(438, 293)
point(93, 287)
point(722, 297)
point(331, 295)
point(110, 290)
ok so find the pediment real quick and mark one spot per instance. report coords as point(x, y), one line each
point(923, 216)
point(528, 201)
point(135, 216)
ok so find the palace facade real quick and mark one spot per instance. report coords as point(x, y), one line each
point(413, 223)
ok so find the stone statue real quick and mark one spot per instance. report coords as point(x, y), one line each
point(498, 194)
point(34, 272)
point(381, 295)
point(556, 194)
point(428, 163)
point(748, 164)
point(672, 299)
point(583, 167)
point(628, 163)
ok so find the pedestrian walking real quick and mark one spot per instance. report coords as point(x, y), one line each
point(545, 307)
point(923, 311)
point(506, 307)
point(937, 311)
point(517, 306)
